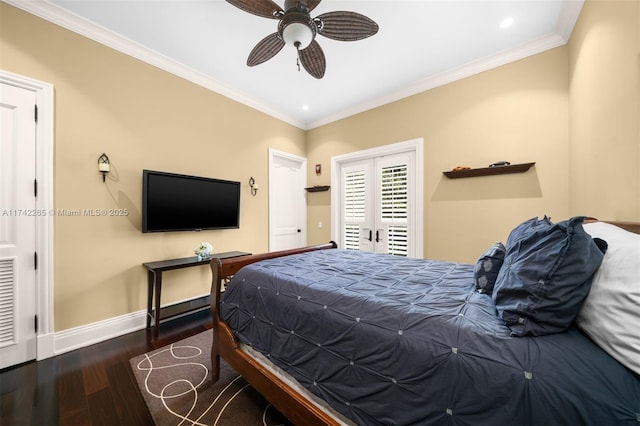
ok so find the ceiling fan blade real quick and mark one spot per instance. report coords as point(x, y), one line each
point(264, 8)
point(311, 4)
point(346, 26)
point(266, 49)
point(313, 60)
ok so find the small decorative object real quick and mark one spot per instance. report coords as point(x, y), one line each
point(104, 166)
point(204, 250)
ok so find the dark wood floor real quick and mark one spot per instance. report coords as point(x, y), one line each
point(88, 386)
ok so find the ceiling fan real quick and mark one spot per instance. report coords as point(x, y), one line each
point(297, 29)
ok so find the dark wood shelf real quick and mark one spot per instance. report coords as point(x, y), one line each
point(318, 188)
point(489, 171)
point(184, 308)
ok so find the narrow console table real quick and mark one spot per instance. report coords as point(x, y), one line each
point(154, 279)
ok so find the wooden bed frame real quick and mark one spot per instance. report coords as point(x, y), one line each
point(287, 400)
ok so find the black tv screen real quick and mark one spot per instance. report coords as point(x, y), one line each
point(173, 202)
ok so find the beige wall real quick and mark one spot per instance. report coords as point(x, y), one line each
point(566, 109)
point(604, 58)
point(518, 112)
point(574, 110)
point(142, 118)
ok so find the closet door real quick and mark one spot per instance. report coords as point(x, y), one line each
point(18, 216)
point(377, 204)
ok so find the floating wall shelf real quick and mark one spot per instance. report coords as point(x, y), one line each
point(318, 188)
point(488, 171)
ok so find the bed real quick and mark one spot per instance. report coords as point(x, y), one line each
point(333, 336)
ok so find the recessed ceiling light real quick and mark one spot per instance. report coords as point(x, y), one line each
point(506, 22)
point(305, 107)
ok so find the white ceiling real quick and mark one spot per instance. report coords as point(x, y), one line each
point(420, 45)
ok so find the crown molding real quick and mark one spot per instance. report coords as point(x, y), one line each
point(72, 22)
point(449, 76)
point(48, 11)
point(566, 22)
point(568, 18)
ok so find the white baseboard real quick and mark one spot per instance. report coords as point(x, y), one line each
point(86, 335)
point(90, 334)
point(45, 346)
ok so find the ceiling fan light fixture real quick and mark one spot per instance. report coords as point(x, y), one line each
point(297, 29)
point(297, 35)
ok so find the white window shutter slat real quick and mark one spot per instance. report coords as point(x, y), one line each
point(7, 301)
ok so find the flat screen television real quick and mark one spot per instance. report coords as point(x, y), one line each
point(173, 202)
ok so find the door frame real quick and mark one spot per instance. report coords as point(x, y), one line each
point(415, 145)
point(44, 202)
point(274, 154)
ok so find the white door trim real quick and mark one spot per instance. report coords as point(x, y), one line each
point(415, 145)
point(273, 153)
point(44, 203)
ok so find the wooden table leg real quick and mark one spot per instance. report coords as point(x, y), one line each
point(158, 290)
point(150, 285)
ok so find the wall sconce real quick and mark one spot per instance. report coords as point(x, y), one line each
point(253, 185)
point(104, 166)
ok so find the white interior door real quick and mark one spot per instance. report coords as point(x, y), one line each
point(18, 216)
point(287, 206)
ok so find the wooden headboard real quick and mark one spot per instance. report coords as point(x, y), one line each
point(629, 226)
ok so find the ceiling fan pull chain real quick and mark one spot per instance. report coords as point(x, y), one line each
point(297, 44)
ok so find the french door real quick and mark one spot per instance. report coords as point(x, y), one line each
point(378, 205)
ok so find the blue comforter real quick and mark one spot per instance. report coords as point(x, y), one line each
point(391, 340)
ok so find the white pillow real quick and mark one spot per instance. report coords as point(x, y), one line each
point(610, 314)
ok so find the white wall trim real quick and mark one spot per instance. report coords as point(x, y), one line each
point(449, 76)
point(44, 202)
point(415, 145)
point(90, 334)
point(59, 16)
point(79, 25)
point(568, 18)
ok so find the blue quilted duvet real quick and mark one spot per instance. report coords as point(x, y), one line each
point(391, 340)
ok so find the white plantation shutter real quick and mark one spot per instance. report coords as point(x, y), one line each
point(377, 202)
point(398, 241)
point(354, 207)
point(7, 301)
point(394, 207)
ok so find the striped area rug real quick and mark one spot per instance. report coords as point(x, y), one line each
point(176, 384)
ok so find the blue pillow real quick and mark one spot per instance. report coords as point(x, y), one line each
point(546, 275)
point(485, 271)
